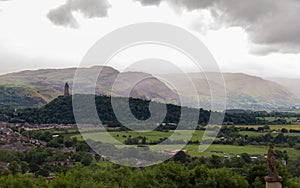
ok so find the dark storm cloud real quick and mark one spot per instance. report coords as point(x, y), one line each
point(62, 15)
point(271, 24)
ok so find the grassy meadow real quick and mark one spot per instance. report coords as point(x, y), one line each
point(193, 149)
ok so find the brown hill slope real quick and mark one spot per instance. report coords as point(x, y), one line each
point(47, 84)
point(36, 88)
point(243, 91)
point(292, 85)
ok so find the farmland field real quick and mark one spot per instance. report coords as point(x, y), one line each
point(273, 127)
point(252, 133)
point(121, 136)
point(193, 149)
point(288, 119)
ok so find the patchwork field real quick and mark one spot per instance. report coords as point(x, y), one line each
point(273, 127)
point(288, 119)
point(193, 149)
point(252, 133)
point(151, 135)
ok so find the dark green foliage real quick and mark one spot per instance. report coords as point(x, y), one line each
point(14, 168)
point(40, 135)
point(60, 111)
point(18, 182)
point(294, 167)
point(97, 157)
point(56, 142)
point(185, 172)
point(164, 175)
point(37, 156)
point(181, 157)
point(33, 167)
point(257, 173)
point(24, 167)
point(86, 159)
point(9, 156)
point(225, 178)
point(243, 118)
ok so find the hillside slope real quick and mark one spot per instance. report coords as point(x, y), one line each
point(243, 91)
point(37, 88)
point(292, 85)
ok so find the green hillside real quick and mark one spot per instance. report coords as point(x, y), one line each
point(20, 97)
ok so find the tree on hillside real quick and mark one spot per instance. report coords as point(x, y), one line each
point(24, 167)
point(14, 168)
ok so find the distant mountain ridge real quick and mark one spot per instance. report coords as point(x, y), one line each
point(243, 91)
point(39, 87)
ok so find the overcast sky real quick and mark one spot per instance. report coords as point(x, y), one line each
point(258, 37)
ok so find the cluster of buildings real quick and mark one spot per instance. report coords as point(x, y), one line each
point(11, 139)
point(15, 141)
point(30, 127)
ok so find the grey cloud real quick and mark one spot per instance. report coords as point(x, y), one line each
point(149, 2)
point(63, 16)
point(273, 25)
point(91, 8)
point(188, 4)
point(194, 4)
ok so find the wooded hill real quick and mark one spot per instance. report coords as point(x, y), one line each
point(60, 111)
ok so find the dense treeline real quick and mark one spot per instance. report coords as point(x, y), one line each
point(231, 136)
point(163, 175)
point(181, 171)
point(60, 111)
point(245, 118)
point(275, 114)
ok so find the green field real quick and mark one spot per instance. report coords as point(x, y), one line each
point(288, 119)
point(252, 133)
point(193, 149)
point(273, 127)
point(150, 135)
point(231, 150)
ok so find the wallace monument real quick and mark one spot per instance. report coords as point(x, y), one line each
point(66, 90)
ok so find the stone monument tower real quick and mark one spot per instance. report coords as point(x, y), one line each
point(66, 90)
point(273, 180)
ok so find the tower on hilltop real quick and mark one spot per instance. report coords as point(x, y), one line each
point(66, 90)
